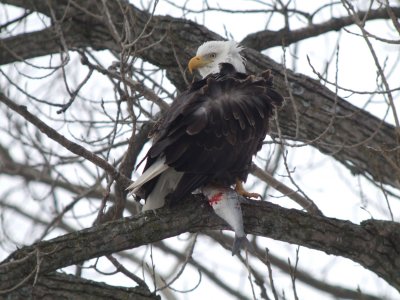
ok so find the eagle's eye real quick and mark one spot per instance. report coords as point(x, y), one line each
point(212, 55)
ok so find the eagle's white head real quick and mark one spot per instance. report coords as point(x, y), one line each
point(212, 53)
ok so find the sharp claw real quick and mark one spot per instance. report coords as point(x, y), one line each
point(241, 191)
point(252, 195)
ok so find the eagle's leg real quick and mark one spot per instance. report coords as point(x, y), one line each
point(239, 188)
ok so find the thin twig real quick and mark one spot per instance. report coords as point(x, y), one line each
point(271, 279)
point(126, 272)
point(54, 135)
point(305, 203)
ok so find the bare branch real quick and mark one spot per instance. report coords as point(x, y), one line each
point(307, 204)
point(54, 135)
point(357, 242)
point(265, 39)
point(62, 286)
point(368, 134)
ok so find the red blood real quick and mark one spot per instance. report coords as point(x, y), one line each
point(215, 199)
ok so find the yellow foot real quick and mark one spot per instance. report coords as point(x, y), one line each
point(241, 191)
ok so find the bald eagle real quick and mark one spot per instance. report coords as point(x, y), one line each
point(211, 131)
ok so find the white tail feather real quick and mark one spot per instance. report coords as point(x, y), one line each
point(154, 170)
point(165, 185)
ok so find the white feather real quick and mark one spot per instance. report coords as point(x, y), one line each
point(165, 184)
point(154, 170)
point(226, 52)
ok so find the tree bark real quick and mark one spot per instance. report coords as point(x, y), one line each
point(265, 39)
point(62, 286)
point(373, 244)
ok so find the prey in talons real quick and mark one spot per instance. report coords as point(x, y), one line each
point(226, 204)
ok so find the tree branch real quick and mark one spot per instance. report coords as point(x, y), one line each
point(12, 168)
point(358, 140)
point(265, 39)
point(71, 146)
point(62, 286)
point(373, 244)
point(301, 275)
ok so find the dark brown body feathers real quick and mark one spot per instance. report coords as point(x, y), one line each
point(213, 129)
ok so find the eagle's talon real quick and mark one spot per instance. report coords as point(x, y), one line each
point(252, 195)
point(241, 191)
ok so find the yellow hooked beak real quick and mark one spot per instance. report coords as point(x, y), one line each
point(197, 62)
